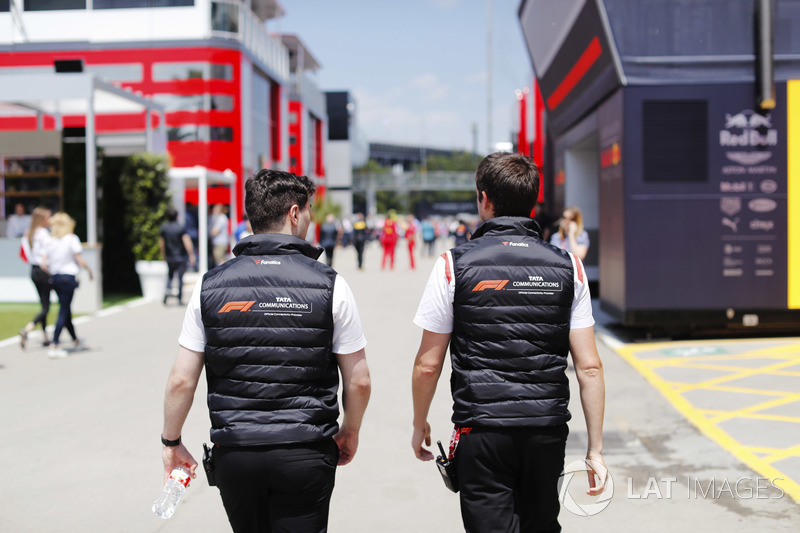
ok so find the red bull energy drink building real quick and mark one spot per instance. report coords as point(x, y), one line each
point(675, 127)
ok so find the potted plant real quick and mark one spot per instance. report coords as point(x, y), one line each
point(145, 187)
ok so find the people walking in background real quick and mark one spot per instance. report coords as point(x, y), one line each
point(347, 232)
point(328, 236)
point(509, 354)
point(460, 232)
point(218, 234)
point(411, 238)
point(192, 225)
point(243, 229)
point(428, 237)
point(176, 249)
point(18, 223)
point(64, 260)
point(389, 237)
point(360, 238)
point(570, 235)
point(35, 244)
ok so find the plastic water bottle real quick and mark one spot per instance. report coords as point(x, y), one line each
point(174, 488)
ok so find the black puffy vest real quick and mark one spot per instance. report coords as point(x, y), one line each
point(512, 307)
point(268, 318)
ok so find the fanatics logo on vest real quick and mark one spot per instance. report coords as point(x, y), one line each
point(516, 244)
point(496, 284)
point(236, 306)
point(265, 262)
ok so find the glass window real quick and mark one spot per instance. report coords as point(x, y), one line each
point(128, 4)
point(131, 72)
point(195, 132)
point(193, 70)
point(224, 17)
point(177, 102)
point(53, 5)
point(261, 119)
point(221, 72)
point(220, 102)
point(5, 6)
point(195, 102)
point(184, 133)
point(221, 133)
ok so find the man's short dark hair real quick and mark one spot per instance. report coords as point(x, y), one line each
point(269, 195)
point(172, 214)
point(510, 181)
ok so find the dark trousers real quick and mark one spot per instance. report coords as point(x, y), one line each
point(175, 269)
point(65, 286)
point(359, 245)
point(329, 254)
point(44, 284)
point(277, 489)
point(509, 479)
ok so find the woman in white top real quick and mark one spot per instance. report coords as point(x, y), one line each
point(35, 242)
point(570, 235)
point(64, 260)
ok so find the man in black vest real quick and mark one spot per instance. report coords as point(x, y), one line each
point(273, 328)
point(510, 307)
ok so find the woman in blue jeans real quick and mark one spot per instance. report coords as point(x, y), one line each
point(64, 261)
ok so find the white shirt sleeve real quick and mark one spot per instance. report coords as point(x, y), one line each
point(193, 335)
point(348, 336)
point(75, 244)
point(435, 311)
point(582, 303)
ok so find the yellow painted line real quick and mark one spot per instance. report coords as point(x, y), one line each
point(783, 454)
point(757, 416)
point(761, 449)
point(753, 409)
point(677, 360)
point(703, 366)
point(742, 375)
point(793, 192)
point(709, 429)
point(743, 390)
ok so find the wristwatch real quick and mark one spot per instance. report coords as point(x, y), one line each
point(166, 442)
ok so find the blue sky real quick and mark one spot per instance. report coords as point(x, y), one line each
point(417, 68)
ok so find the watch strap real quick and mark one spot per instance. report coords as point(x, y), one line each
point(170, 443)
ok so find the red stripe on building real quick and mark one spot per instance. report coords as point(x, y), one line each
point(578, 71)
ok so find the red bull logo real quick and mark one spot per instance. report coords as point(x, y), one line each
point(748, 128)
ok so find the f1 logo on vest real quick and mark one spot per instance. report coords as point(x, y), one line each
point(496, 284)
point(236, 306)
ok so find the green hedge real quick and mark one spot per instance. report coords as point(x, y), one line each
point(145, 187)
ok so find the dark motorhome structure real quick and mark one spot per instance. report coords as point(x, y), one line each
point(675, 126)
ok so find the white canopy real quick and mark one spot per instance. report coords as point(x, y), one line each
point(200, 177)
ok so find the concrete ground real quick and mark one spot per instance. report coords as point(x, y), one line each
point(80, 449)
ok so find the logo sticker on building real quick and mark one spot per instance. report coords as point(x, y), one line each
point(730, 205)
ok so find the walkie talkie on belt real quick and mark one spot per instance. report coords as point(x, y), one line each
point(447, 469)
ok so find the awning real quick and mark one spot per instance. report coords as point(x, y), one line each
point(76, 93)
point(200, 177)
